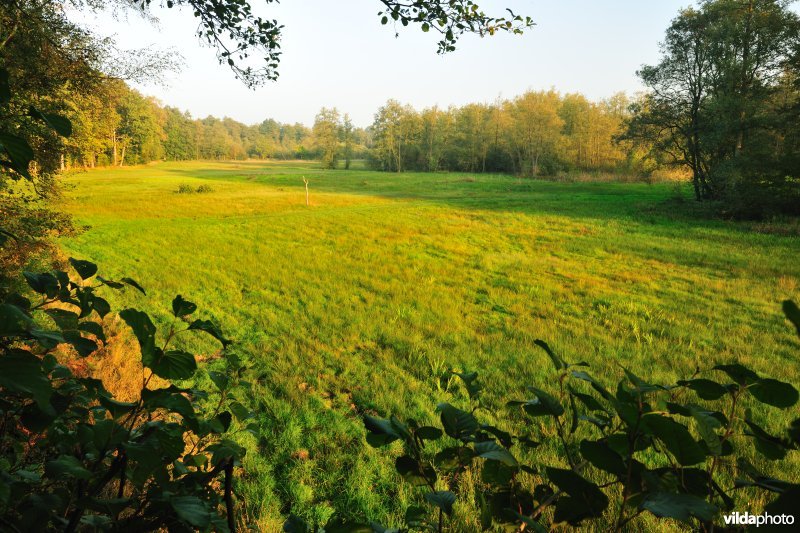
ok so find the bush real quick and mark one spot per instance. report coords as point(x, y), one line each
point(646, 449)
point(72, 456)
point(185, 188)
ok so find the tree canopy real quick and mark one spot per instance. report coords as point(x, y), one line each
point(724, 98)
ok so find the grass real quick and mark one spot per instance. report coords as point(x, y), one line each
point(361, 300)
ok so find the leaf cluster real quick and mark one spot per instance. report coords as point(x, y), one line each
point(72, 456)
point(642, 448)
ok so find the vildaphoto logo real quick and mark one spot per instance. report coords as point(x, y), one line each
point(766, 519)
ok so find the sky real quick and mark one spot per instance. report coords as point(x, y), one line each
point(337, 54)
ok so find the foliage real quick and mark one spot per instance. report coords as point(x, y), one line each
point(185, 188)
point(723, 100)
point(326, 134)
point(231, 27)
point(74, 457)
point(451, 19)
point(536, 133)
point(653, 448)
point(26, 224)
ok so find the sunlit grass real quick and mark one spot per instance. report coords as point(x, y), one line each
point(361, 300)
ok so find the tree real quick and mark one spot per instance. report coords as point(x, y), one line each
point(711, 105)
point(326, 134)
point(347, 140)
point(396, 128)
point(535, 133)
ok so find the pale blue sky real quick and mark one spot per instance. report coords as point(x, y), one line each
point(337, 54)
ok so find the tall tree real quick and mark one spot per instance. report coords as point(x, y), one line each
point(710, 105)
point(326, 133)
point(347, 140)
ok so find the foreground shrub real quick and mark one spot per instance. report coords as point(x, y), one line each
point(657, 450)
point(72, 456)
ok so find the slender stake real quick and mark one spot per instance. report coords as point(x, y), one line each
point(306, 182)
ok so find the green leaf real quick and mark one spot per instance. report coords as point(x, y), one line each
point(145, 333)
point(640, 385)
point(22, 372)
point(775, 393)
point(173, 364)
point(59, 124)
point(457, 423)
point(429, 433)
point(706, 427)
point(85, 269)
point(82, 345)
point(679, 506)
point(414, 472)
point(543, 405)
point(705, 388)
point(115, 407)
point(94, 328)
point(676, 438)
point(45, 283)
point(557, 361)
point(133, 284)
point(443, 499)
point(494, 452)
point(384, 431)
point(18, 151)
point(170, 398)
point(792, 312)
point(101, 306)
point(211, 329)
point(191, 510)
point(181, 307)
point(219, 379)
point(601, 456)
point(13, 321)
point(588, 401)
point(64, 319)
point(785, 504)
point(585, 499)
point(66, 465)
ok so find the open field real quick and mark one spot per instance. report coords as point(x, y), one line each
point(361, 300)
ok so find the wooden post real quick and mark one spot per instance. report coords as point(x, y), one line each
point(306, 182)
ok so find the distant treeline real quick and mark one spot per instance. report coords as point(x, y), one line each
point(536, 133)
point(118, 126)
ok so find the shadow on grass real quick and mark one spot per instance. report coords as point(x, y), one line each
point(648, 204)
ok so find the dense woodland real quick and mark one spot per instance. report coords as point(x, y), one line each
point(536, 133)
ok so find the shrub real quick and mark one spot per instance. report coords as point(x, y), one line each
point(648, 449)
point(185, 188)
point(72, 456)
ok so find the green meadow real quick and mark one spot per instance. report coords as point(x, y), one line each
point(358, 302)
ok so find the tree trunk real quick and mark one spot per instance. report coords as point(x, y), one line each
point(114, 142)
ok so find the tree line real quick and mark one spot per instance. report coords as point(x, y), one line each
point(117, 125)
point(536, 133)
